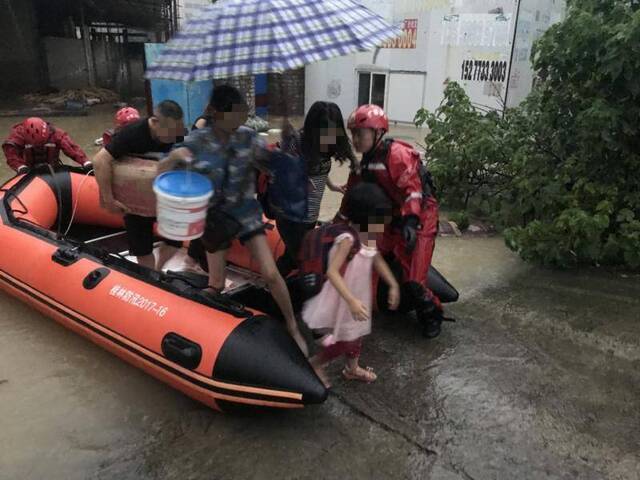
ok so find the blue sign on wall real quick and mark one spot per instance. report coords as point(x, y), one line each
point(193, 97)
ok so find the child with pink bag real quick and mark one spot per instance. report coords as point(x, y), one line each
point(342, 309)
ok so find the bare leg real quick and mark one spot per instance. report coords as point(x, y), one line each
point(165, 253)
point(217, 262)
point(260, 250)
point(353, 371)
point(148, 261)
point(352, 363)
point(318, 364)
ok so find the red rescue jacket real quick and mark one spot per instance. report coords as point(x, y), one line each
point(396, 167)
point(19, 153)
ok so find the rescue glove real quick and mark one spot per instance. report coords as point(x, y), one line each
point(410, 227)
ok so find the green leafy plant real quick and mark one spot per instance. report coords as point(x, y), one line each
point(461, 219)
point(561, 173)
point(464, 149)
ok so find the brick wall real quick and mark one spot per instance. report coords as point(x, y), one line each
point(291, 84)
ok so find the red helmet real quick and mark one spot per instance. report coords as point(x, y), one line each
point(36, 131)
point(125, 116)
point(369, 116)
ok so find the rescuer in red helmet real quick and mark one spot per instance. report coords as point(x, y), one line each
point(35, 142)
point(409, 239)
point(123, 117)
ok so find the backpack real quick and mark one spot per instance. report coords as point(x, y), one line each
point(428, 186)
point(314, 254)
point(283, 195)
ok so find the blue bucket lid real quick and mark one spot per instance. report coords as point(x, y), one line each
point(180, 183)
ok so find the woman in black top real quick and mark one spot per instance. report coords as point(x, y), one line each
point(322, 139)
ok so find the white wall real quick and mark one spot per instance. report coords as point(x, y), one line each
point(323, 77)
point(440, 51)
point(536, 16)
point(470, 34)
point(332, 80)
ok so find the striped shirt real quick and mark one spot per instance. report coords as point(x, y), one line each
point(318, 175)
point(317, 186)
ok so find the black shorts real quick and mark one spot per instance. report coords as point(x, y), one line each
point(221, 229)
point(140, 235)
point(198, 252)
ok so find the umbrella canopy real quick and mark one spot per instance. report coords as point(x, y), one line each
point(247, 37)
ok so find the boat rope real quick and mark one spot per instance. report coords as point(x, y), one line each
point(75, 204)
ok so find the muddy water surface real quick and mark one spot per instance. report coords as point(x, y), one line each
point(538, 379)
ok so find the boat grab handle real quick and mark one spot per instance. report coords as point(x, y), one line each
point(181, 350)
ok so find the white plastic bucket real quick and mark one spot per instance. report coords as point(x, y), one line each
point(182, 200)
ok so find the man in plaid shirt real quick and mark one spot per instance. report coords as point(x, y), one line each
point(230, 154)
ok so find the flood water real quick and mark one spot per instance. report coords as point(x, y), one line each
point(539, 378)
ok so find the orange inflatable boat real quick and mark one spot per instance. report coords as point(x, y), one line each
point(64, 255)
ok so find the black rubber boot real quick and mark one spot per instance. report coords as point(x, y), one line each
point(431, 320)
point(428, 313)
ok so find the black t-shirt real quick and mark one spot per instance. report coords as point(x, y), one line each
point(136, 139)
point(207, 118)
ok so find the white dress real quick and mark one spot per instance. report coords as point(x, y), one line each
point(328, 311)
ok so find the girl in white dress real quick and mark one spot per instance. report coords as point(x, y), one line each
point(342, 309)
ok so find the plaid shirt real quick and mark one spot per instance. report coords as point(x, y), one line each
point(232, 170)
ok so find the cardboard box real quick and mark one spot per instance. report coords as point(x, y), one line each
point(132, 184)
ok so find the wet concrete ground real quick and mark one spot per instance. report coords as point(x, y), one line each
point(538, 379)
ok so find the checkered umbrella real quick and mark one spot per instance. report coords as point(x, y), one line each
point(247, 37)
